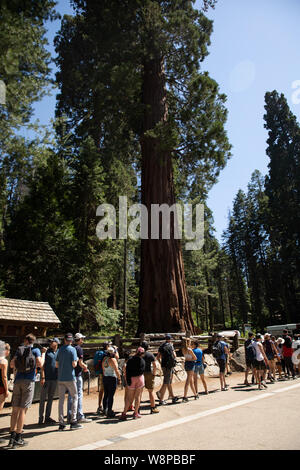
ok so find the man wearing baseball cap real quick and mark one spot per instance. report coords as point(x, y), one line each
point(66, 361)
point(81, 366)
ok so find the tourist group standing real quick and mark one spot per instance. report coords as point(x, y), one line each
point(61, 368)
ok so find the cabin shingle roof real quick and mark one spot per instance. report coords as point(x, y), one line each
point(27, 311)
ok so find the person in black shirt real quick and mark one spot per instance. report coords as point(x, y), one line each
point(48, 382)
point(81, 366)
point(167, 357)
point(135, 369)
point(249, 360)
point(149, 374)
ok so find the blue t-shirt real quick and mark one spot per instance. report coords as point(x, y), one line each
point(65, 356)
point(199, 354)
point(223, 356)
point(49, 367)
point(99, 355)
point(29, 375)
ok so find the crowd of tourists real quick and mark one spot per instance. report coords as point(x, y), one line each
point(61, 368)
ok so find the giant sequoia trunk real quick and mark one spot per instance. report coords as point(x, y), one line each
point(164, 304)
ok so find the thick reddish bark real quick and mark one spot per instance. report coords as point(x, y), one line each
point(164, 303)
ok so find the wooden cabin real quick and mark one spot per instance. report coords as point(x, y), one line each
point(20, 317)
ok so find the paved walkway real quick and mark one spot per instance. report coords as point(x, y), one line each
point(236, 419)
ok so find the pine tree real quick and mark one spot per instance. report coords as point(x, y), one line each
point(283, 191)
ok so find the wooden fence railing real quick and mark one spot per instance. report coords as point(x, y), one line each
point(154, 340)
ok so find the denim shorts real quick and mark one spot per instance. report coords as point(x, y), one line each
point(199, 369)
point(189, 366)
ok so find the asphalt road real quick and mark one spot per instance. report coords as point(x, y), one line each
point(241, 418)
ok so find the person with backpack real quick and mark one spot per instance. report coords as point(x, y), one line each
point(149, 374)
point(26, 360)
point(167, 358)
point(219, 351)
point(48, 382)
point(98, 358)
point(250, 355)
point(189, 366)
point(287, 355)
point(66, 362)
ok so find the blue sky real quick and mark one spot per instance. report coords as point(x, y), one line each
point(255, 47)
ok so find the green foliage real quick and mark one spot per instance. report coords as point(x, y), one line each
point(107, 318)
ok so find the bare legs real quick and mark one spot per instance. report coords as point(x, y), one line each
point(189, 383)
point(195, 378)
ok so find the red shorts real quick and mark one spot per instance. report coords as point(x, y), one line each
point(137, 382)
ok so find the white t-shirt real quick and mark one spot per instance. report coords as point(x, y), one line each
point(296, 344)
point(259, 354)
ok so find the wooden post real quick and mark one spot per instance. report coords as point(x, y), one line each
point(117, 342)
point(235, 342)
point(142, 337)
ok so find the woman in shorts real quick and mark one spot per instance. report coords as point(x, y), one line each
point(4, 353)
point(189, 366)
point(135, 369)
point(111, 377)
point(199, 367)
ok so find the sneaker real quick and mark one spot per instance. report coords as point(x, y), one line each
point(75, 426)
point(264, 384)
point(50, 421)
point(175, 399)
point(12, 439)
point(185, 399)
point(41, 421)
point(62, 427)
point(136, 416)
point(111, 414)
point(84, 420)
point(99, 411)
point(154, 410)
point(196, 397)
point(123, 417)
point(163, 402)
point(19, 442)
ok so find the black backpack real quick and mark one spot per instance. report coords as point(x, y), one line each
point(169, 359)
point(217, 350)
point(25, 360)
point(250, 352)
point(287, 341)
